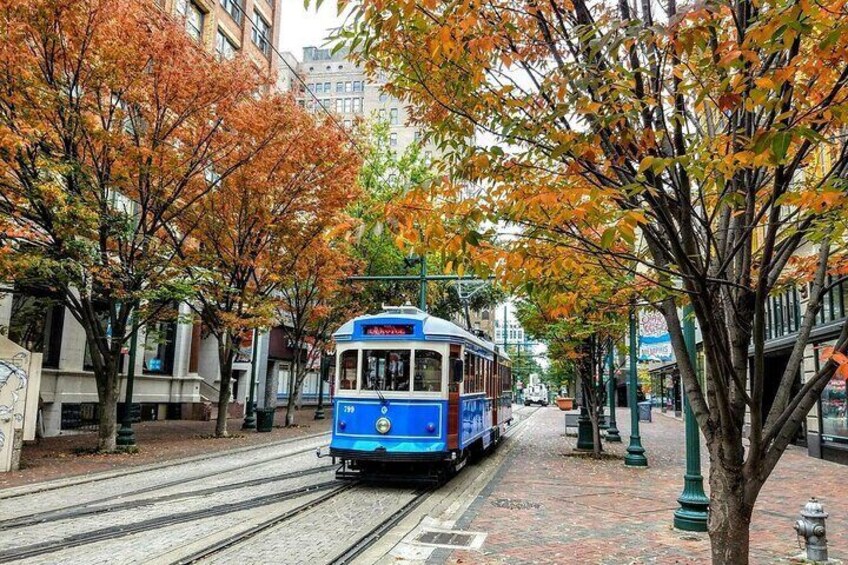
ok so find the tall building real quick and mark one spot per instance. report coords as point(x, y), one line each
point(227, 27)
point(342, 87)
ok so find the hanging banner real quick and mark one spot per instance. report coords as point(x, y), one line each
point(654, 341)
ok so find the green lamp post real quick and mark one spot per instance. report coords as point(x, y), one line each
point(694, 505)
point(635, 452)
point(613, 435)
point(250, 409)
point(126, 435)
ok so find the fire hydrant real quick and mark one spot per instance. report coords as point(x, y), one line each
point(812, 528)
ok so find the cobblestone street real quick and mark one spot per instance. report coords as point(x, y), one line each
point(529, 502)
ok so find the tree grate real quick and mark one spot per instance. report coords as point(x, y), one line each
point(445, 539)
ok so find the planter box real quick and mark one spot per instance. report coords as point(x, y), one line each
point(565, 403)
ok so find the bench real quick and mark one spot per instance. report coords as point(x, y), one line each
point(571, 422)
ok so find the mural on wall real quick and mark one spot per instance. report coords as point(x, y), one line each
point(654, 340)
point(11, 375)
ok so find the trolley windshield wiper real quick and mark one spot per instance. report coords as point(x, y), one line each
point(379, 394)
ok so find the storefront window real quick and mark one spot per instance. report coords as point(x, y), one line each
point(834, 413)
point(347, 378)
point(385, 369)
point(428, 371)
point(159, 347)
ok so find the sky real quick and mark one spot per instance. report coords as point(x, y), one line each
point(303, 27)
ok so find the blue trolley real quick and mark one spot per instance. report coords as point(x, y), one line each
point(415, 396)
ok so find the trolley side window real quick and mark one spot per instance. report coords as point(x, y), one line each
point(347, 378)
point(385, 369)
point(428, 371)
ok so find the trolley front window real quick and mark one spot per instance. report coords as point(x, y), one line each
point(385, 369)
point(348, 374)
point(428, 371)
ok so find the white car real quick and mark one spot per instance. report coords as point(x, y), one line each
point(536, 394)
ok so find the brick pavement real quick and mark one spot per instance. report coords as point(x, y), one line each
point(59, 457)
point(545, 507)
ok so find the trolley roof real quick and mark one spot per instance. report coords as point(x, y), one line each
point(424, 326)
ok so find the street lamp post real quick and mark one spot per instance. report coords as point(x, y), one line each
point(694, 505)
point(613, 436)
point(250, 409)
point(126, 435)
point(324, 376)
point(635, 452)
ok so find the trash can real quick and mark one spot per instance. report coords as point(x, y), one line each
point(264, 419)
point(645, 411)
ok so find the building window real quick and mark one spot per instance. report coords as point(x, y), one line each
point(193, 16)
point(326, 103)
point(357, 105)
point(339, 105)
point(347, 105)
point(348, 86)
point(393, 116)
point(339, 87)
point(319, 88)
point(393, 139)
point(383, 97)
point(224, 47)
point(834, 407)
point(328, 87)
point(36, 324)
point(417, 135)
point(159, 347)
point(357, 86)
point(348, 123)
point(382, 114)
point(261, 34)
point(233, 8)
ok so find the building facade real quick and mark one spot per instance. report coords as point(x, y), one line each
point(228, 27)
point(341, 87)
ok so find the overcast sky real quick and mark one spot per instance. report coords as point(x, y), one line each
point(305, 27)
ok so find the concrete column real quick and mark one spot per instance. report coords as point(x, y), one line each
point(5, 310)
point(182, 343)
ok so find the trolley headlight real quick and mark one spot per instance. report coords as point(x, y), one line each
point(383, 425)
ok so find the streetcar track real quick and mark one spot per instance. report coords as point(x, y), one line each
point(123, 530)
point(261, 527)
point(177, 463)
point(366, 541)
point(89, 508)
point(175, 482)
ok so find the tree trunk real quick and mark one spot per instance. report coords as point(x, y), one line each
point(292, 395)
point(730, 515)
point(107, 429)
point(226, 354)
point(596, 432)
point(271, 387)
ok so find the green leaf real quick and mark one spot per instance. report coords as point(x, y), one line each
point(780, 144)
point(607, 238)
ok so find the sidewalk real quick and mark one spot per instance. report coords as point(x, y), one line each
point(546, 507)
point(64, 456)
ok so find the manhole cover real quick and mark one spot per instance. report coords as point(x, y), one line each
point(446, 539)
point(515, 504)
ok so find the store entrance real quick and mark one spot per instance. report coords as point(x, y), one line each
point(775, 365)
